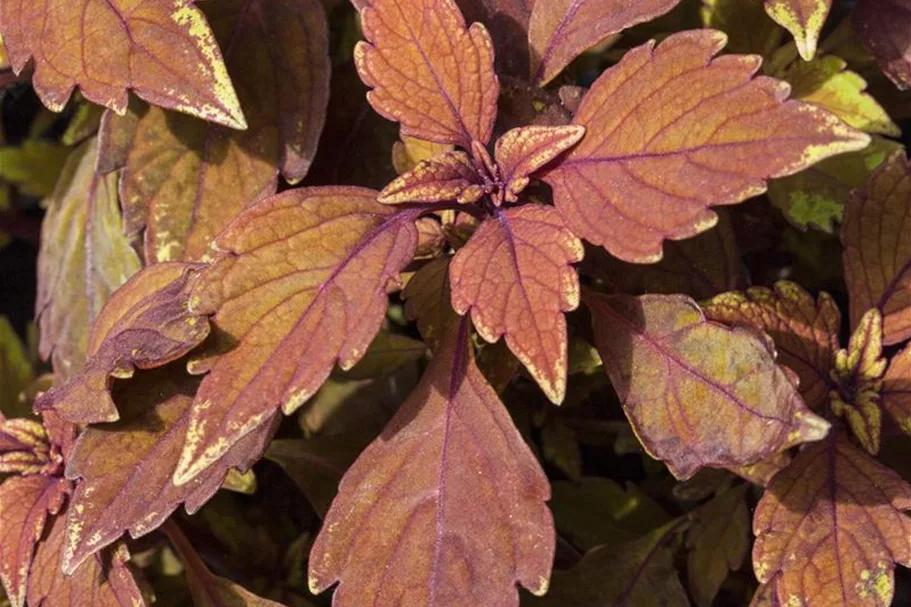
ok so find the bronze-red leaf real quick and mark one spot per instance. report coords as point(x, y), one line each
point(147, 323)
point(124, 469)
point(428, 70)
point(163, 50)
point(560, 30)
point(105, 580)
point(446, 508)
point(301, 283)
point(25, 504)
point(669, 365)
point(882, 25)
point(523, 151)
point(805, 331)
point(831, 527)
point(670, 131)
point(876, 235)
point(449, 176)
point(516, 278)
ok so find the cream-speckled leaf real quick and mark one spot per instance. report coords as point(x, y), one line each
point(803, 18)
point(671, 131)
point(163, 50)
point(669, 365)
point(84, 258)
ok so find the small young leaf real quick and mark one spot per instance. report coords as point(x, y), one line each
point(84, 257)
point(300, 284)
point(860, 369)
point(418, 515)
point(25, 504)
point(25, 448)
point(745, 22)
point(523, 151)
point(805, 332)
point(669, 365)
point(428, 71)
point(673, 132)
point(163, 50)
point(825, 82)
point(896, 391)
point(105, 580)
point(830, 527)
point(124, 469)
point(882, 25)
point(560, 30)
point(449, 176)
point(718, 541)
point(185, 180)
point(515, 277)
point(876, 236)
point(639, 573)
point(803, 18)
point(146, 323)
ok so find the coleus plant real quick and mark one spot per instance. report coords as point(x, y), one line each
point(187, 305)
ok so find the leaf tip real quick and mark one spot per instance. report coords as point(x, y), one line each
point(810, 428)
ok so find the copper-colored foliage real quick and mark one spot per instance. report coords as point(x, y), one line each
point(103, 581)
point(876, 235)
point(803, 18)
point(84, 257)
point(449, 176)
point(896, 389)
point(805, 332)
point(672, 131)
point(525, 150)
point(560, 30)
point(147, 323)
point(670, 366)
point(163, 50)
point(428, 70)
point(446, 507)
point(124, 469)
point(830, 528)
point(882, 25)
point(25, 504)
point(184, 179)
point(301, 283)
point(515, 277)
